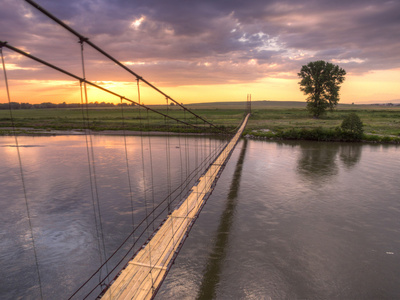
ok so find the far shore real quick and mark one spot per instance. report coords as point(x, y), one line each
point(270, 120)
point(26, 131)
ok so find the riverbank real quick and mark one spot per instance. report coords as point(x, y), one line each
point(8, 131)
point(269, 120)
point(321, 135)
point(263, 134)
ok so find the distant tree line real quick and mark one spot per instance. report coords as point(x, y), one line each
point(16, 105)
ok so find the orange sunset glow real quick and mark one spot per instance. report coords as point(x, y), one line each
point(202, 53)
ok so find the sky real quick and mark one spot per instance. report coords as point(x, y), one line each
point(202, 51)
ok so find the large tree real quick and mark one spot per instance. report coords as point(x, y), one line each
point(321, 81)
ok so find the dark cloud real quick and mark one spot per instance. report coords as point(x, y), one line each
point(202, 42)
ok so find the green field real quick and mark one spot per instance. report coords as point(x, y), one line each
point(268, 118)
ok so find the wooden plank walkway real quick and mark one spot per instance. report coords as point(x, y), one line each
point(146, 271)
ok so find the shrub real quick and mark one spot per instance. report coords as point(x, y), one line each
point(352, 126)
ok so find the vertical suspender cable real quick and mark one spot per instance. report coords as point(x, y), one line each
point(151, 170)
point(196, 151)
point(86, 126)
point(167, 145)
point(128, 172)
point(168, 153)
point(180, 160)
point(91, 162)
point(22, 175)
point(144, 182)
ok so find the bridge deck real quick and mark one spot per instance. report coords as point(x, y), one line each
point(146, 271)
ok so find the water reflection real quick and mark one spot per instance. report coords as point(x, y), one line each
point(65, 219)
point(350, 154)
point(212, 272)
point(320, 161)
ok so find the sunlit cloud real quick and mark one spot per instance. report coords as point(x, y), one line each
point(138, 63)
point(204, 43)
point(350, 60)
point(11, 67)
point(136, 24)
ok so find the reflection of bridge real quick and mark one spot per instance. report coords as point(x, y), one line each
point(142, 273)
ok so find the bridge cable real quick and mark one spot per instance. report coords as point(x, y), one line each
point(168, 145)
point(86, 81)
point(91, 159)
point(21, 173)
point(179, 247)
point(168, 158)
point(194, 175)
point(144, 177)
point(180, 158)
point(86, 126)
point(151, 167)
point(127, 168)
point(206, 160)
point(186, 160)
point(86, 40)
point(196, 151)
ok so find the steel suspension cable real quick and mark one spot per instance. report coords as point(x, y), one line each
point(153, 264)
point(91, 158)
point(151, 166)
point(193, 175)
point(168, 158)
point(86, 40)
point(22, 174)
point(186, 158)
point(144, 175)
point(127, 168)
point(168, 153)
point(5, 44)
point(86, 126)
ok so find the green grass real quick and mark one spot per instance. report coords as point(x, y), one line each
point(381, 124)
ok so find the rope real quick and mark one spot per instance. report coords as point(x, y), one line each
point(22, 175)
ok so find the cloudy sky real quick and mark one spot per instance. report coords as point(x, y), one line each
point(208, 50)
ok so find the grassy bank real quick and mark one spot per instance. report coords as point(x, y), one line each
point(381, 124)
point(286, 120)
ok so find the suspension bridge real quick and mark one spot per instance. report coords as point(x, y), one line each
point(138, 266)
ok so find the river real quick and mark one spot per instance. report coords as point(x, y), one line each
point(287, 220)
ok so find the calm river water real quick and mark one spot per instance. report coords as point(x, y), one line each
point(287, 220)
